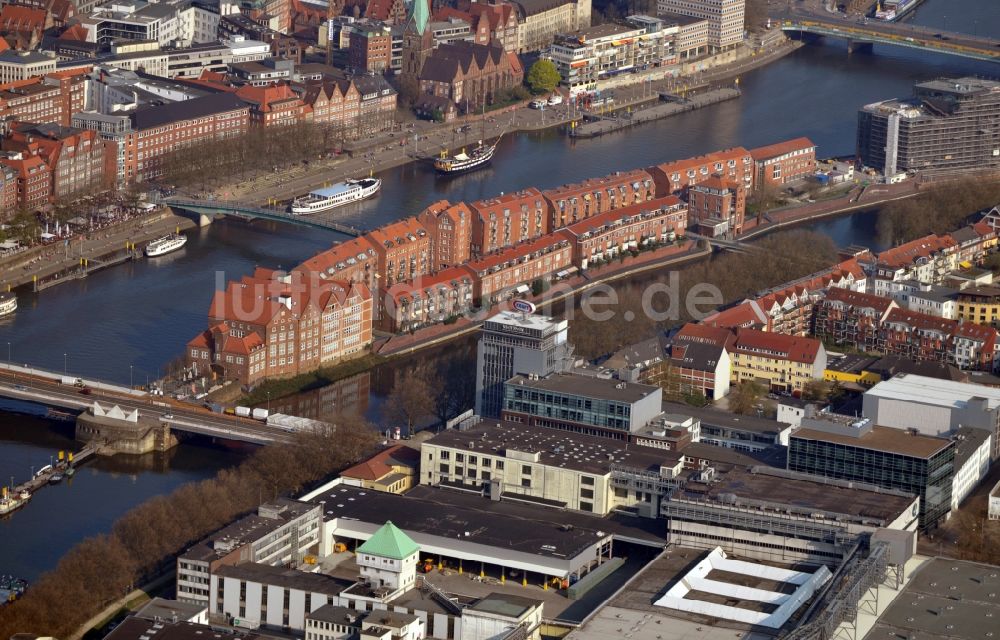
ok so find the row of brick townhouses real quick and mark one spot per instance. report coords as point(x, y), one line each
point(275, 324)
point(877, 324)
point(453, 258)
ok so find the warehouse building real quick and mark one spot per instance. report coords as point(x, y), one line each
point(772, 514)
point(934, 406)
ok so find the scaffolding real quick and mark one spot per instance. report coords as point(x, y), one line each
point(853, 588)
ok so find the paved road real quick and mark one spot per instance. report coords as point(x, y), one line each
point(15, 383)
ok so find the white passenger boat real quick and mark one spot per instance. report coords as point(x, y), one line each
point(338, 195)
point(166, 244)
point(8, 303)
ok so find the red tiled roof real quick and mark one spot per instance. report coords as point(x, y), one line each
point(443, 277)
point(20, 18)
point(922, 321)
point(610, 217)
point(595, 184)
point(706, 334)
point(326, 261)
point(858, 299)
point(268, 96)
point(742, 315)
point(396, 233)
point(511, 254)
point(380, 464)
point(780, 148)
point(76, 33)
point(482, 207)
point(681, 166)
point(777, 345)
point(715, 181)
point(905, 254)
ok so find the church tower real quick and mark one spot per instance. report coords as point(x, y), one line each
point(418, 42)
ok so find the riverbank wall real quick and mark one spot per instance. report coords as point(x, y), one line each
point(604, 125)
point(45, 266)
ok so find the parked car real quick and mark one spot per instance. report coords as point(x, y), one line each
point(538, 104)
point(555, 99)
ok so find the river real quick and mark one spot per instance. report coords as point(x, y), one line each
point(128, 322)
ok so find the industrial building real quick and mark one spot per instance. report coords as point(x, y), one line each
point(514, 343)
point(599, 406)
point(778, 515)
point(549, 467)
point(948, 125)
point(934, 406)
point(856, 449)
point(281, 533)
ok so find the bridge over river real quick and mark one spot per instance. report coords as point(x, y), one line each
point(46, 388)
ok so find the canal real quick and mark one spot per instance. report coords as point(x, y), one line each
point(130, 321)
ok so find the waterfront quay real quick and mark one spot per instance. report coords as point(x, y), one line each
point(45, 266)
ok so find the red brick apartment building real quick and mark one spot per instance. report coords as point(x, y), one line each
point(427, 300)
point(606, 235)
point(574, 202)
point(352, 261)
point(502, 273)
point(852, 318)
point(675, 177)
point(158, 130)
point(877, 324)
point(450, 229)
point(78, 160)
point(369, 48)
point(273, 325)
point(53, 98)
point(274, 105)
point(718, 199)
point(32, 179)
point(507, 220)
point(784, 162)
point(402, 251)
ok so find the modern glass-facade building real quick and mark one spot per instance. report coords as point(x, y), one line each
point(847, 448)
point(583, 404)
point(513, 343)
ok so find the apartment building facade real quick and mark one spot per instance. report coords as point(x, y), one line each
point(782, 362)
point(507, 220)
point(571, 203)
point(607, 235)
point(676, 177)
point(725, 19)
point(500, 275)
point(785, 162)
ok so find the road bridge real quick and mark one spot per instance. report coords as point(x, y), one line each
point(725, 244)
point(45, 388)
point(245, 210)
point(896, 34)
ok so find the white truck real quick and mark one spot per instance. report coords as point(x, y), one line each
point(243, 412)
point(260, 414)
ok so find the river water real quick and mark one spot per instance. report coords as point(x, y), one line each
point(127, 323)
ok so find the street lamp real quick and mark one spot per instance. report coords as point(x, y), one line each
point(268, 402)
point(65, 365)
point(131, 378)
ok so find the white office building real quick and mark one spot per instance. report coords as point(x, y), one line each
point(725, 19)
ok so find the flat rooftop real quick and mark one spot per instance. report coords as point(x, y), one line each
point(802, 492)
point(631, 611)
point(163, 609)
point(284, 577)
point(514, 320)
point(945, 598)
point(968, 440)
point(248, 529)
point(586, 386)
point(724, 419)
point(934, 391)
point(555, 447)
point(851, 363)
point(134, 628)
point(884, 439)
point(466, 518)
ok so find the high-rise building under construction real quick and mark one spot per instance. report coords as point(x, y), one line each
point(948, 125)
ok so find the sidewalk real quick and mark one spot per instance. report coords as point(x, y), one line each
point(45, 261)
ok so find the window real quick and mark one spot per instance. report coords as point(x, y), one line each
point(526, 469)
point(443, 468)
point(586, 506)
point(587, 493)
point(526, 482)
point(587, 481)
point(459, 457)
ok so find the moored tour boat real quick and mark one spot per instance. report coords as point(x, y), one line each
point(8, 303)
point(165, 245)
point(338, 195)
point(463, 162)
